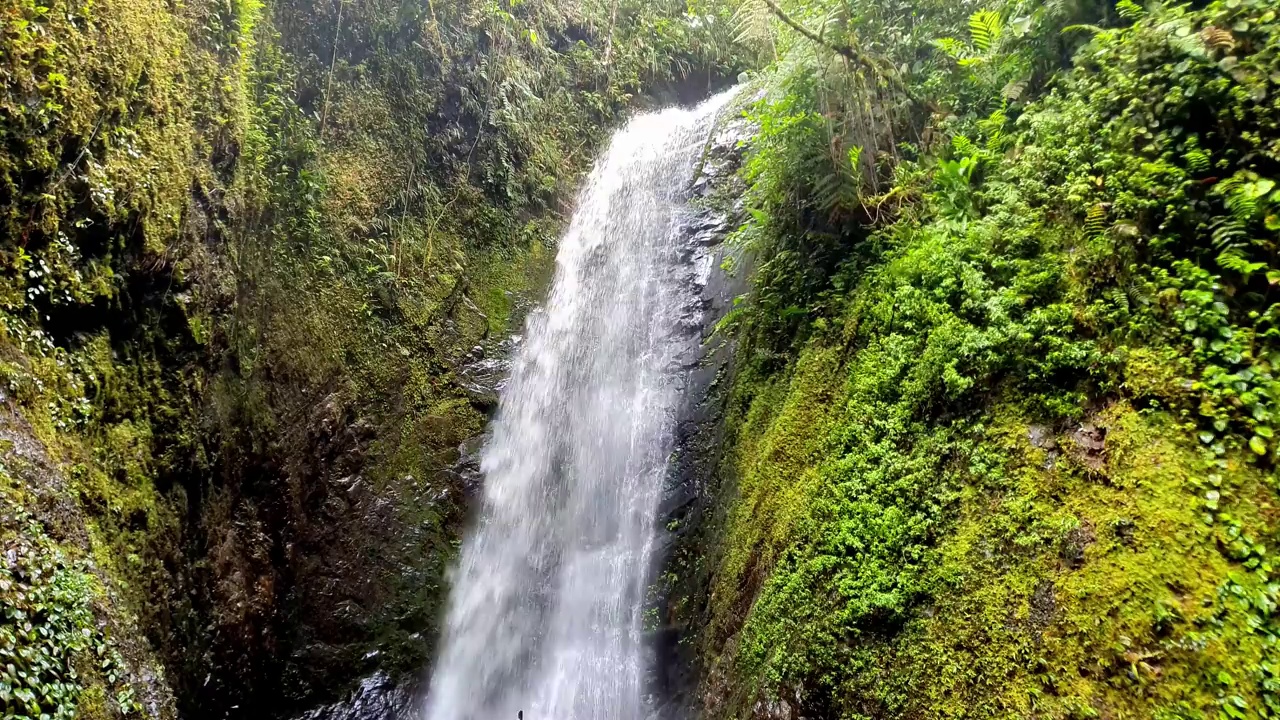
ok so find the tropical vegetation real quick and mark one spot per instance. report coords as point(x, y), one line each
point(1001, 426)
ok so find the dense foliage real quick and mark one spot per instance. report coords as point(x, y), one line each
point(1002, 426)
point(52, 650)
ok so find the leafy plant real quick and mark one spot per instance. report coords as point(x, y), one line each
point(51, 645)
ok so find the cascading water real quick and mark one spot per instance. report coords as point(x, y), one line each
point(545, 611)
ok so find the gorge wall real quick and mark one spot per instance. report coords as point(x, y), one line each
point(996, 438)
point(258, 259)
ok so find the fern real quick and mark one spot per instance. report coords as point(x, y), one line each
point(1138, 294)
point(1236, 262)
point(1095, 222)
point(956, 49)
point(753, 22)
point(1228, 234)
point(985, 27)
point(1118, 297)
point(993, 128)
point(1197, 161)
point(1244, 197)
point(855, 159)
point(833, 22)
point(1056, 8)
point(1216, 38)
point(827, 190)
point(1094, 29)
point(1248, 198)
point(732, 321)
point(1013, 91)
point(1130, 10)
point(1129, 295)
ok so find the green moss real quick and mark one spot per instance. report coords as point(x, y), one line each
point(1003, 579)
point(1008, 453)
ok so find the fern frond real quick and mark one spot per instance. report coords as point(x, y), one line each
point(962, 145)
point(1118, 297)
point(993, 128)
point(1138, 294)
point(1095, 221)
point(1014, 90)
point(1197, 161)
point(985, 27)
point(1130, 10)
point(1094, 29)
point(753, 22)
point(1055, 8)
point(832, 22)
point(954, 48)
point(855, 159)
point(1228, 234)
point(1235, 261)
point(1216, 38)
point(827, 191)
point(1243, 205)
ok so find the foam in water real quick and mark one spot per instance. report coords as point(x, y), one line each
point(545, 609)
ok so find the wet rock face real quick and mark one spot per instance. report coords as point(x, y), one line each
point(377, 698)
point(328, 566)
point(483, 372)
point(298, 570)
point(687, 499)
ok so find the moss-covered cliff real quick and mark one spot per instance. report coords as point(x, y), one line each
point(247, 248)
point(1000, 428)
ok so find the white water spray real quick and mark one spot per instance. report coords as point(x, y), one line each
point(545, 610)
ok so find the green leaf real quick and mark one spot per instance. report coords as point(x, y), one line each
point(1129, 10)
point(1258, 445)
point(985, 26)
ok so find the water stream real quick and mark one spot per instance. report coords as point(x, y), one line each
point(545, 612)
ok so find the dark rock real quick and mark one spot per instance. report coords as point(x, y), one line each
point(1042, 437)
point(1091, 446)
point(1124, 529)
point(1044, 607)
point(1074, 545)
point(377, 698)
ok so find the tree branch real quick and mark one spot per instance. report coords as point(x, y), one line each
point(848, 52)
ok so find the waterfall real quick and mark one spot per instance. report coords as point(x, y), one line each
point(545, 611)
